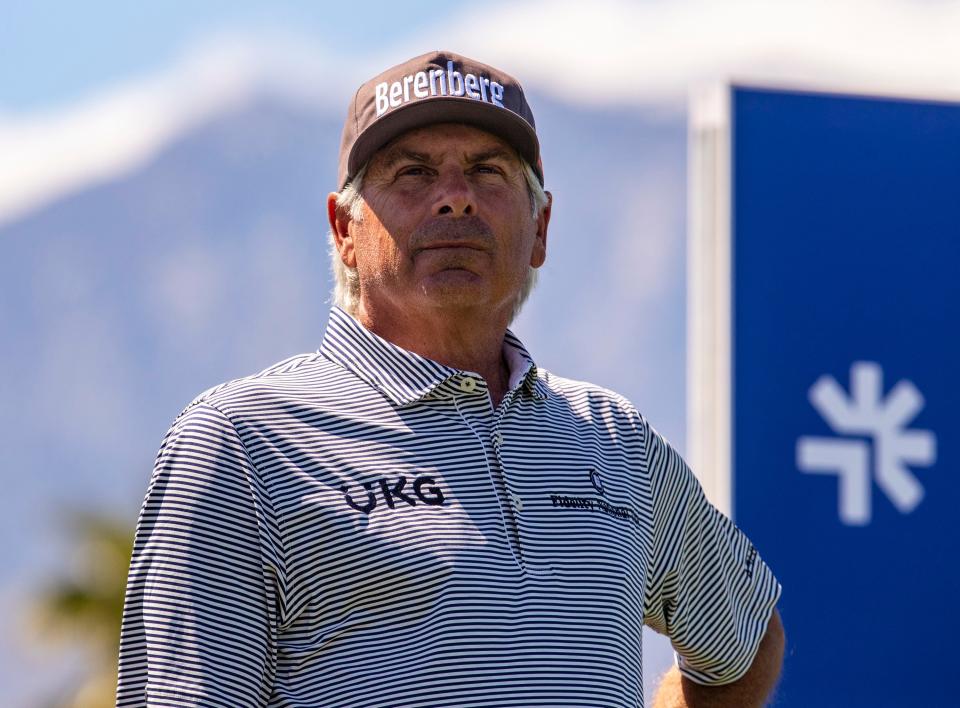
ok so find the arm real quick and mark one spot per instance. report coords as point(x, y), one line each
point(709, 591)
point(751, 690)
point(199, 616)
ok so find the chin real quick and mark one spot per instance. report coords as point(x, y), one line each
point(456, 289)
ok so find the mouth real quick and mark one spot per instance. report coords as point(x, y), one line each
point(475, 245)
point(463, 234)
point(452, 245)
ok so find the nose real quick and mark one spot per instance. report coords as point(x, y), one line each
point(455, 196)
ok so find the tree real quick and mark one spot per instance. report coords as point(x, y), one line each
point(84, 607)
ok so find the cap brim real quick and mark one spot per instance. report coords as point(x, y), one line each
point(501, 122)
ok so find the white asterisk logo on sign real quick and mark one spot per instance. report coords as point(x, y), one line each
point(866, 413)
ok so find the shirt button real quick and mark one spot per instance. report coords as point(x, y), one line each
point(516, 501)
point(468, 385)
point(497, 439)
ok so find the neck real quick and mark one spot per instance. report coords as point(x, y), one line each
point(472, 341)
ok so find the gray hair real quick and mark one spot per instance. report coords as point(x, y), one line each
point(346, 282)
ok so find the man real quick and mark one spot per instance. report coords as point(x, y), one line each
point(416, 514)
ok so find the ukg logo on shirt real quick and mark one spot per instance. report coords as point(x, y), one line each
point(437, 82)
point(424, 488)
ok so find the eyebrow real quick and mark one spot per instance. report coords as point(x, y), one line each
point(398, 154)
point(495, 153)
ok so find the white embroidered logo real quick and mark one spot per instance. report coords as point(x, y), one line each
point(437, 82)
point(866, 413)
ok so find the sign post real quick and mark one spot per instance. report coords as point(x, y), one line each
point(824, 376)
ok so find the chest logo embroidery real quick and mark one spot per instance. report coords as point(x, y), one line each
point(424, 488)
point(574, 502)
point(596, 481)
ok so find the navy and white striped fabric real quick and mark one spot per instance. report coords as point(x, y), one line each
point(358, 527)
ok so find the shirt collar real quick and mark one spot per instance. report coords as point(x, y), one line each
point(403, 376)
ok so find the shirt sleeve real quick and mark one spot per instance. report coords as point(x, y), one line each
point(200, 612)
point(707, 588)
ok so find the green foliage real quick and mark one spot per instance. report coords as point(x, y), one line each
point(84, 607)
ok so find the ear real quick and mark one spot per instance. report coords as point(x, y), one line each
point(340, 228)
point(539, 253)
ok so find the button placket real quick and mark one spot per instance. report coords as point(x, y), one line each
point(515, 501)
point(482, 427)
point(534, 566)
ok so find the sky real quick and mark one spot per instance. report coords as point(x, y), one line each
point(56, 53)
point(90, 91)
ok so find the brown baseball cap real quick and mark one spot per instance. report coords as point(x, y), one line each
point(439, 87)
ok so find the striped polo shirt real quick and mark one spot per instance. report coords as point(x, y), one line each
point(359, 527)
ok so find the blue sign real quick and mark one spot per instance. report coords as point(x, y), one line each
point(845, 396)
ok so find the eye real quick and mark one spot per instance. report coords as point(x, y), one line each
point(487, 169)
point(413, 171)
